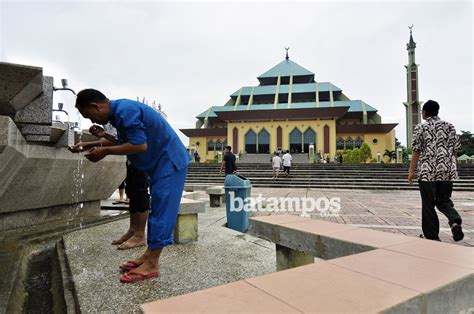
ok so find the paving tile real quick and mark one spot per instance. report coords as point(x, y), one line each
point(437, 251)
point(279, 219)
point(377, 239)
point(409, 271)
point(323, 287)
point(235, 297)
point(317, 226)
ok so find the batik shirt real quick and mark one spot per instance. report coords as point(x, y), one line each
point(437, 143)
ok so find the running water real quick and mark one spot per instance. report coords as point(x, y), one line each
point(78, 178)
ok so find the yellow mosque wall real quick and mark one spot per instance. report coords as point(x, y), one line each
point(384, 140)
point(287, 126)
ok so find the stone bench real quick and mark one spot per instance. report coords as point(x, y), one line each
point(216, 195)
point(186, 229)
point(365, 271)
point(191, 195)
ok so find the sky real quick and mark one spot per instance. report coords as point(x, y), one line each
point(189, 56)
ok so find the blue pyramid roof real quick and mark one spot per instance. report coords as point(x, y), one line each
point(286, 68)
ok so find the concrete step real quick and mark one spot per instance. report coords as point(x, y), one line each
point(364, 176)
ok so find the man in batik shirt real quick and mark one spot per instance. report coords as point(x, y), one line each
point(434, 154)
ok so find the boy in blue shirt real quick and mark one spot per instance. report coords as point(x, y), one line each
point(151, 146)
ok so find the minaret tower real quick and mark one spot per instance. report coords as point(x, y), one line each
point(412, 105)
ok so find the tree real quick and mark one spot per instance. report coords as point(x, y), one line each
point(467, 143)
point(366, 152)
point(357, 155)
point(348, 156)
point(391, 154)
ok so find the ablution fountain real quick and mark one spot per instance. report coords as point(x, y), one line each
point(45, 190)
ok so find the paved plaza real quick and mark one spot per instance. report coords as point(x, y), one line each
point(389, 211)
point(222, 255)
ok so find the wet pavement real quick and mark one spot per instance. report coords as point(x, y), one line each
point(222, 255)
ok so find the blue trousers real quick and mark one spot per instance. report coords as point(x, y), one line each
point(166, 196)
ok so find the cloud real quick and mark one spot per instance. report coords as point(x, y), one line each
point(191, 55)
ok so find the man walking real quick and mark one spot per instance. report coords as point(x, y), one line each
point(287, 163)
point(276, 164)
point(228, 163)
point(434, 152)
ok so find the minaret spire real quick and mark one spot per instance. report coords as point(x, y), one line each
point(412, 105)
point(411, 44)
point(287, 48)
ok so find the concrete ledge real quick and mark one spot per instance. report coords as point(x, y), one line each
point(378, 273)
point(217, 190)
point(191, 195)
point(36, 216)
point(50, 177)
point(320, 287)
point(189, 206)
point(295, 233)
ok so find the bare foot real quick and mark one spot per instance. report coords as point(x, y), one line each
point(133, 242)
point(146, 268)
point(142, 258)
point(124, 238)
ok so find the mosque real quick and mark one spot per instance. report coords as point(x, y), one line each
point(290, 109)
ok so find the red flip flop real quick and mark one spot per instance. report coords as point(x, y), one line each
point(138, 276)
point(129, 265)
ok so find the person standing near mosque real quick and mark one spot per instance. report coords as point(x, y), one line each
point(136, 187)
point(287, 163)
point(434, 154)
point(276, 164)
point(151, 146)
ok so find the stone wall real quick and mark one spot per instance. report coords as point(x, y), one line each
point(34, 177)
point(40, 180)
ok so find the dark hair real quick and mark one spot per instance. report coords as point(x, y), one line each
point(228, 148)
point(87, 96)
point(431, 108)
point(287, 151)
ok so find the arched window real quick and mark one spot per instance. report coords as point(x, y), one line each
point(349, 143)
point(263, 142)
point(224, 144)
point(358, 142)
point(219, 146)
point(251, 142)
point(340, 143)
point(210, 146)
point(296, 141)
point(309, 137)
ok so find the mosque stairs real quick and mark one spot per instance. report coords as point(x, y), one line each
point(323, 176)
point(263, 158)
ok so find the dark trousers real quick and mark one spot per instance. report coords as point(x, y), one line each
point(136, 188)
point(436, 193)
point(286, 169)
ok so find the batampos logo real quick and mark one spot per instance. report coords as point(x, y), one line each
point(306, 205)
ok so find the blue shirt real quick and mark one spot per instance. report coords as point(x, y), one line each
point(137, 124)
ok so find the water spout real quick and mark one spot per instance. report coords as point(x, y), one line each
point(60, 109)
point(65, 87)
